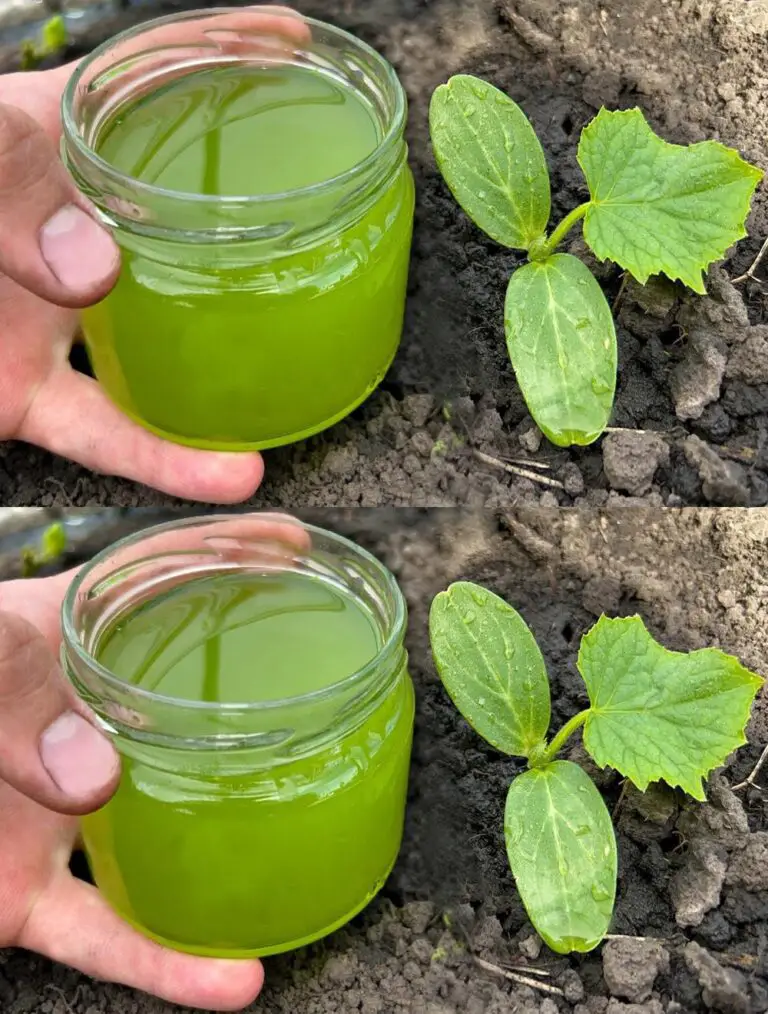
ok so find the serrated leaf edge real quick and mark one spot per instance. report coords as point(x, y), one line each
point(754, 172)
point(697, 791)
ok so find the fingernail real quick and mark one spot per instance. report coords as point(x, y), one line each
point(78, 251)
point(79, 759)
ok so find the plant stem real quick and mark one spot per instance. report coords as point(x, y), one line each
point(562, 230)
point(565, 733)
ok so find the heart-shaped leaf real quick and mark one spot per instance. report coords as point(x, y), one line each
point(659, 207)
point(562, 343)
point(658, 714)
point(491, 666)
point(491, 159)
point(562, 851)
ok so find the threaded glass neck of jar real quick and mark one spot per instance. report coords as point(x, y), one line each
point(138, 61)
point(163, 558)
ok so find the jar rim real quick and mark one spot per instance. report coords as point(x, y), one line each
point(71, 133)
point(71, 640)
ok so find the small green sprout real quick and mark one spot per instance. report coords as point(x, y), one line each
point(53, 39)
point(654, 208)
point(654, 715)
point(52, 545)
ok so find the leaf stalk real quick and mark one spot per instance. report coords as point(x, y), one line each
point(553, 749)
point(550, 245)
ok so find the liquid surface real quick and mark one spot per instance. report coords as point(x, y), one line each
point(291, 842)
point(299, 127)
point(233, 639)
point(238, 346)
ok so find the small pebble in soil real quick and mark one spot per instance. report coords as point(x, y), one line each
point(695, 888)
point(572, 479)
point(417, 408)
point(572, 986)
point(487, 933)
point(723, 989)
point(531, 439)
point(341, 460)
point(749, 867)
point(631, 458)
point(695, 382)
point(417, 916)
point(631, 966)
point(722, 482)
point(530, 946)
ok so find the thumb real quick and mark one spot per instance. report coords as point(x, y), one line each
point(49, 241)
point(50, 750)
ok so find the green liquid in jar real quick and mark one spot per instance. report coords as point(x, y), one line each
point(275, 855)
point(253, 356)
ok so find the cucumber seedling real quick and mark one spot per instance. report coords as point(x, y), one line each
point(654, 208)
point(653, 715)
point(52, 545)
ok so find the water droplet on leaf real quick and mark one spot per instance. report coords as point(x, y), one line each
point(582, 324)
point(599, 893)
point(469, 616)
point(580, 832)
point(598, 387)
point(481, 701)
point(480, 597)
point(479, 90)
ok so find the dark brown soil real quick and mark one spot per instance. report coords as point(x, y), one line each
point(451, 899)
point(694, 370)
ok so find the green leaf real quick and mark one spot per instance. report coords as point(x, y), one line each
point(55, 37)
point(562, 342)
point(54, 541)
point(491, 159)
point(562, 851)
point(659, 207)
point(658, 714)
point(491, 667)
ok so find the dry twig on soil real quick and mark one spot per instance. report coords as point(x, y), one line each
point(524, 473)
point(523, 980)
point(750, 779)
point(750, 272)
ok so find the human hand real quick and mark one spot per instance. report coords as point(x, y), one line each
point(54, 258)
point(54, 764)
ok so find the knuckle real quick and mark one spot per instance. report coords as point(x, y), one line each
point(27, 157)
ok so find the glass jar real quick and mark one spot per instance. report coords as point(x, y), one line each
point(243, 829)
point(241, 322)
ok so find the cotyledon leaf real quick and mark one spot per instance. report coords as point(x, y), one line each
point(659, 207)
point(491, 666)
point(491, 159)
point(562, 342)
point(658, 714)
point(562, 851)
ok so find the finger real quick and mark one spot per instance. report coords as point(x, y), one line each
point(38, 93)
point(38, 600)
point(49, 241)
point(49, 748)
point(72, 416)
point(72, 924)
